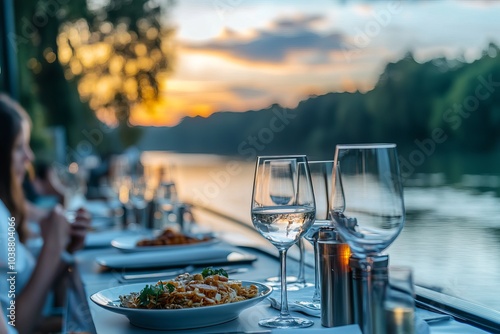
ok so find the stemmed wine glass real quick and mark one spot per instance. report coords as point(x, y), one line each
point(321, 177)
point(166, 199)
point(138, 200)
point(367, 204)
point(283, 209)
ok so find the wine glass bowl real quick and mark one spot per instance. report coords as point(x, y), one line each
point(371, 214)
point(167, 200)
point(321, 178)
point(282, 227)
point(283, 209)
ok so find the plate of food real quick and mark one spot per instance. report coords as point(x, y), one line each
point(187, 301)
point(166, 239)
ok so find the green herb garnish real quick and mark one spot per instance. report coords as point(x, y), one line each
point(151, 293)
point(170, 287)
point(210, 272)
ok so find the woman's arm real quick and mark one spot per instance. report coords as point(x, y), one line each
point(78, 230)
point(49, 266)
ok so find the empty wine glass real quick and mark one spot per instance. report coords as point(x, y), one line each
point(139, 201)
point(367, 204)
point(283, 210)
point(73, 182)
point(321, 177)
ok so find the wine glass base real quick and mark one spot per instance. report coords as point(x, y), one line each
point(286, 322)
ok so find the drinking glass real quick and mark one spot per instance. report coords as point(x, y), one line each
point(283, 209)
point(321, 177)
point(139, 201)
point(367, 204)
point(167, 201)
point(73, 181)
point(399, 302)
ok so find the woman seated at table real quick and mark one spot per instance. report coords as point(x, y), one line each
point(33, 278)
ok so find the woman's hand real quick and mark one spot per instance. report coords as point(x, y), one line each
point(55, 230)
point(78, 230)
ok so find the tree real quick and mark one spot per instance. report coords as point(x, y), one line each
point(121, 58)
point(114, 56)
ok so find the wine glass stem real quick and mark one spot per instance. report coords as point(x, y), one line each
point(130, 215)
point(142, 217)
point(316, 296)
point(284, 300)
point(301, 279)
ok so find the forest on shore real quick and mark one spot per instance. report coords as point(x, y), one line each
point(450, 104)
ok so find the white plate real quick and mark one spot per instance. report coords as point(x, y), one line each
point(128, 244)
point(102, 239)
point(175, 319)
point(175, 258)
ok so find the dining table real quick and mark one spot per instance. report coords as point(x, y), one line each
point(89, 276)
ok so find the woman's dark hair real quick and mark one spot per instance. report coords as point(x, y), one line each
point(11, 117)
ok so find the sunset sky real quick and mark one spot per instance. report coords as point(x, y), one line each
point(236, 55)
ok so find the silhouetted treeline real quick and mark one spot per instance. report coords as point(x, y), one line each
point(443, 103)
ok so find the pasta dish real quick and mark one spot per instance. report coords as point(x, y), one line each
point(211, 287)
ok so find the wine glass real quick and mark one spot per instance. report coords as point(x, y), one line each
point(166, 199)
point(281, 191)
point(283, 210)
point(367, 204)
point(138, 199)
point(321, 177)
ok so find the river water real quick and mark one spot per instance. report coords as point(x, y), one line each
point(451, 236)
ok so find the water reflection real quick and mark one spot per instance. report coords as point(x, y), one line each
point(448, 240)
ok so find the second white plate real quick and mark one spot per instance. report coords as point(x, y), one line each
point(128, 244)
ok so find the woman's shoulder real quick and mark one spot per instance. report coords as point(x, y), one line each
point(7, 223)
point(3, 209)
point(5, 218)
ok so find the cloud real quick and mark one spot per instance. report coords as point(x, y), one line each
point(285, 37)
point(299, 22)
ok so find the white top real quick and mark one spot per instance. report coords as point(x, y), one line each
point(16, 265)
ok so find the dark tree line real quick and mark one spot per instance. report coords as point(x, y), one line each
point(411, 102)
